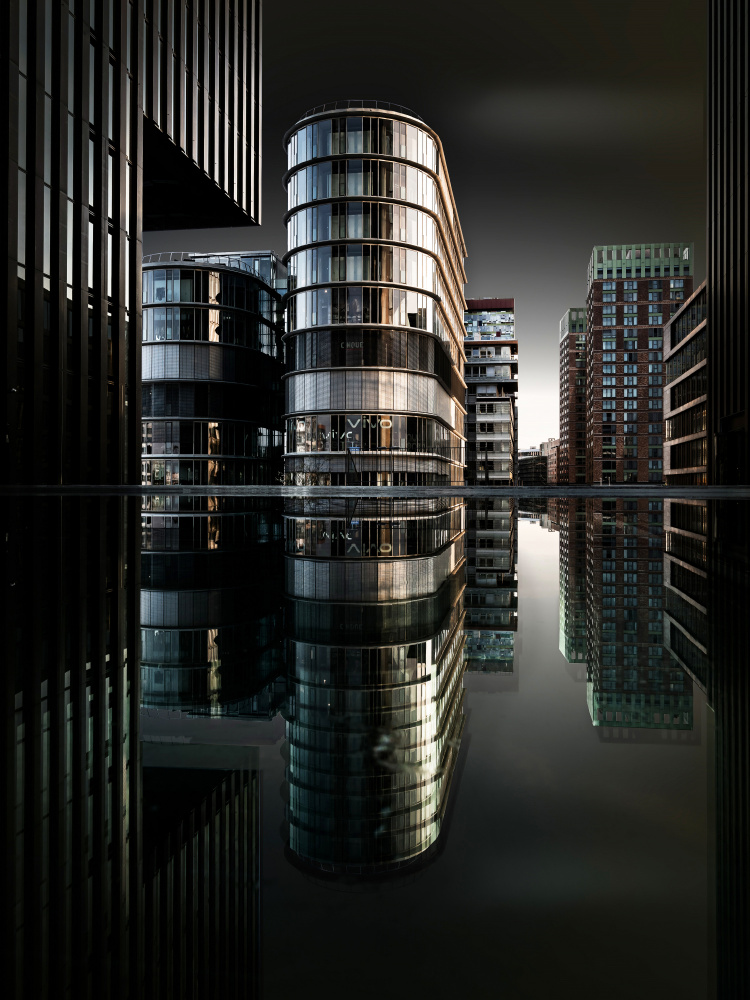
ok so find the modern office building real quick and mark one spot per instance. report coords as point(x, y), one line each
point(491, 594)
point(728, 241)
point(632, 291)
point(375, 391)
point(633, 685)
point(491, 392)
point(374, 666)
point(686, 386)
point(532, 467)
point(572, 453)
point(212, 369)
point(121, 115)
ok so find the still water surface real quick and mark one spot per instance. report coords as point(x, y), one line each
point(378, 746)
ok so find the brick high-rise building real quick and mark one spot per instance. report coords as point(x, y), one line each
point(571, 463)
point(632, 290)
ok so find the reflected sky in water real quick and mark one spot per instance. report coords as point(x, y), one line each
point(380, 745)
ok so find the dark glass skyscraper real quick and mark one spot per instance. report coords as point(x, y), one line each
point(120, 115)
point(728, 241)
point(375, 390)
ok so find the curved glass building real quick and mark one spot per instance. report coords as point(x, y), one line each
point(375, 393)
point(374, 674)
point(212, 369)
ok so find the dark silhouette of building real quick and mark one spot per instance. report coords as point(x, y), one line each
point(121, 115)
point(375, 392)
point(686, 406)
point(491, 392)
point(728, 240)
point(571, 465)
point(632, 291)
point(212, 369)
point(72, 794)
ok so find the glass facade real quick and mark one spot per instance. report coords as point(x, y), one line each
point(374, 672)
point(686, 398)
point(212, 369)
point(375, 259)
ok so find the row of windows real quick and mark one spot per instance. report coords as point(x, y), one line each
point(369, 432)
point(184, 360)
point(333, 538)
point(371, 392)
point(357, 262)
point(631, 357)
point(628, 253)
point(688, 356)
point(690, 318)
point(358, 178)
point(207, 472)
point(188, 437)
point(352, 135)
point(202, 399)
point(372, 348)
point(220, 288)
point(692, 421)
point(356, 220)
point(358, 304)
point(162, 323)
point(691, 388)
point(689, 454)
point(629, 320)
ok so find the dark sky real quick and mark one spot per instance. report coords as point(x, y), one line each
point(565, 123)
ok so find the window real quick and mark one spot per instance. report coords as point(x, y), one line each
point(609, 297)
point(630, 286)
point(630, 380)
point(608, 357)
point(608, 369)
point(609, 286)
point(630, 369)
point(607, 380)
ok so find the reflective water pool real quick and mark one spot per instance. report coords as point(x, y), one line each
point(377, 745)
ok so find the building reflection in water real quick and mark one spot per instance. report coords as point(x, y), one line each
point(72, 806)
point(633, 684)
point(570, 520)
point(374, 665)
point(121, 881)
point(707, 583)
point(211, 606)
point(491, 595)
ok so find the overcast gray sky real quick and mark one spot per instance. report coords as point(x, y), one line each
point(565, 123)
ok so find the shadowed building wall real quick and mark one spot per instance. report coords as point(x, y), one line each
point(121, 115)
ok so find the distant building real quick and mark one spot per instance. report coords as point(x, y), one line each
point(686, 401)
point(491, 372)
point(532, 467)
point(553, 451)
point(728, 249)
point(632, 291)
point(571, 463)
